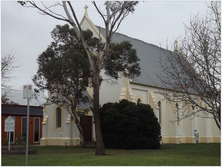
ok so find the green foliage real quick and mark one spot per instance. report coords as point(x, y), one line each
point(64, 69)
point(126, 125)
point(65, 62)
point(121, 57)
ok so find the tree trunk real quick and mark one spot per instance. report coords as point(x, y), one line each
point(100, 149)
point(77, 122)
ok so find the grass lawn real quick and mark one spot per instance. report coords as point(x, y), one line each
point(168, 155)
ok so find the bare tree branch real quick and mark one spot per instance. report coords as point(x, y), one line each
point(195, 68)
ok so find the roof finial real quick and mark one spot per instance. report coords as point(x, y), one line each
point(86, 9)
point(176, 46)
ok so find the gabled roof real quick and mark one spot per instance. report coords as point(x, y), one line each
point(149, 55)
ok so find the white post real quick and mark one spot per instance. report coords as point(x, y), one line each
point(9, 140)
point(27, 94)
point(27, 133)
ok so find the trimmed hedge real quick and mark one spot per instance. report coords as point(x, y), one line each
point(126, 125)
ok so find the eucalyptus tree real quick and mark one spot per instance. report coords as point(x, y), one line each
point(64, 71)
point(115, 12)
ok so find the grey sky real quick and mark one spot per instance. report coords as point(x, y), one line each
point(26, 33)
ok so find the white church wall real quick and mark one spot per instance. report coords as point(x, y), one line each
point(66, 135)
point(140, 93)
point(171, 124)
point(188, 131)
point(110, 91)
point(201, 125)
point(214, 130)
point(85, 25)
point(164, 117)
point(172, 132)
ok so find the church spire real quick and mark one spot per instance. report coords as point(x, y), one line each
point(176, 46)
point(86, 9)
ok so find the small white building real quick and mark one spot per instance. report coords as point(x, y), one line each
point(145, 89)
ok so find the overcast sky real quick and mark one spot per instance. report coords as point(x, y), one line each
point(26, 33)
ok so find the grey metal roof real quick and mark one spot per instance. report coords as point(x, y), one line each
point(149, 56)
point(86, 103)
point(22, 110)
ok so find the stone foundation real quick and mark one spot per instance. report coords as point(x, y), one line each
point(189, 139)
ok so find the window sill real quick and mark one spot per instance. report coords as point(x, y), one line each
point(59, 129)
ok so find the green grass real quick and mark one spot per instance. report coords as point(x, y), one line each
point(168, 155)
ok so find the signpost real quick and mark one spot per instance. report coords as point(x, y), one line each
point(27, 94)
point(9, 127)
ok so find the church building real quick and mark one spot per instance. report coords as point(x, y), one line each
point(143, 89)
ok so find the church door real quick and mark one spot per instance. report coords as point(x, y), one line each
point(86, 123)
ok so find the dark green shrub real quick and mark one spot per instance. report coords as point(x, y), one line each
point(126, 125)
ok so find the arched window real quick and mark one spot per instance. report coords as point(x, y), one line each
point(177, 111)
point(159, 105)
point(138, 101)
point(58, 117)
